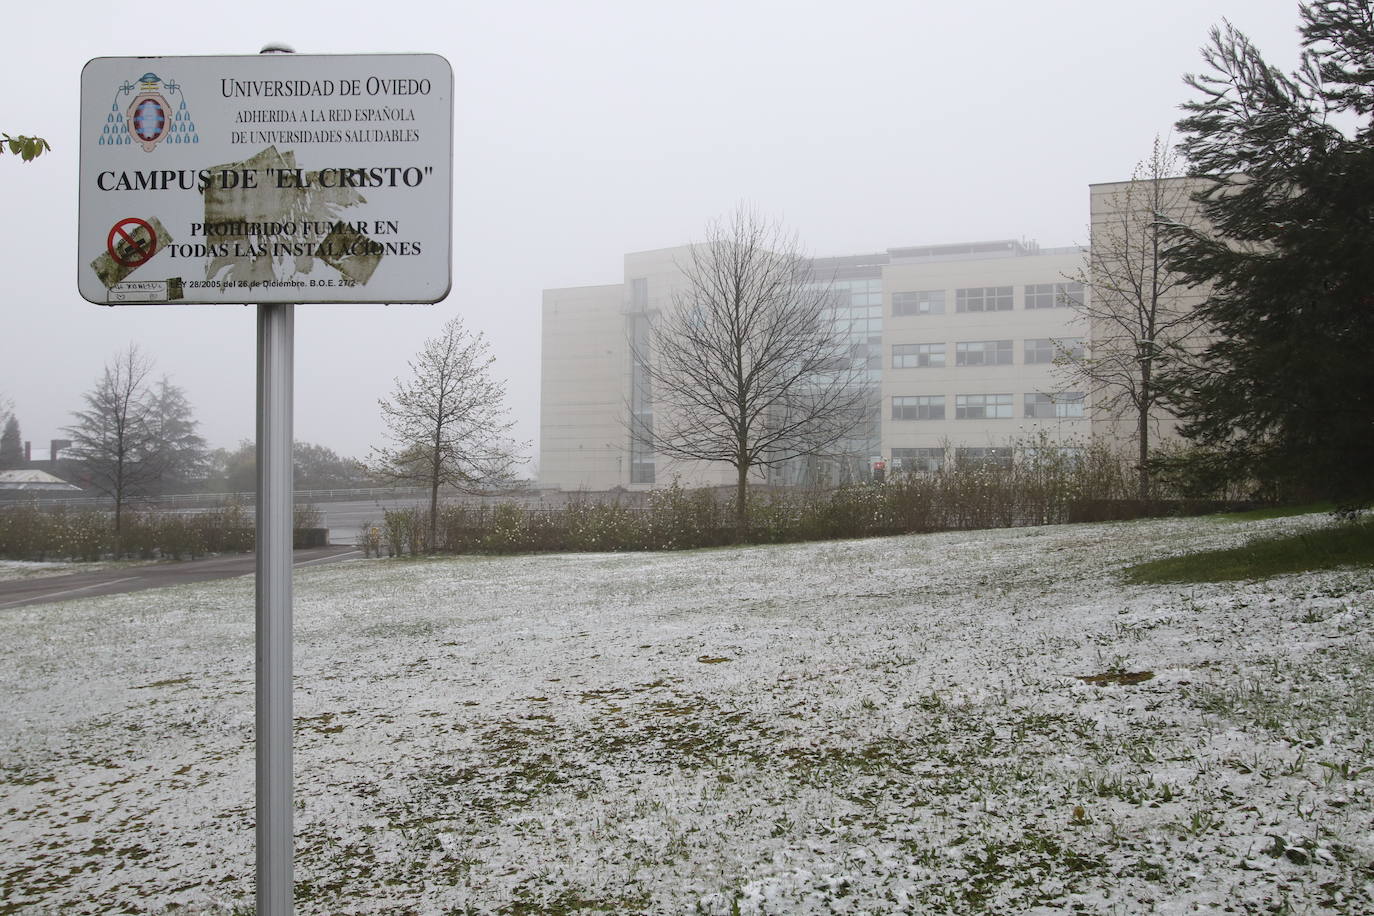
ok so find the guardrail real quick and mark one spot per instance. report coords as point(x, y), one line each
point(211, 500)
point(193, 500)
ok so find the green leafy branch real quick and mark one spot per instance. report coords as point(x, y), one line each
point(26, 148)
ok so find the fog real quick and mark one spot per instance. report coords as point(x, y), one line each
point(585, 131)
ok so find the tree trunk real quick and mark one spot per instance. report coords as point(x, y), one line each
point(433, 514)
point(118, 519)
point(1143, 447)
point(742, 504)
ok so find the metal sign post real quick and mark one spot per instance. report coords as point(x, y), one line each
point(275, 721)
point(276, 330)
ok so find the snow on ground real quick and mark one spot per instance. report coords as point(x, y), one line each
point(880, 726)
point(29, 569)
point(15, 569)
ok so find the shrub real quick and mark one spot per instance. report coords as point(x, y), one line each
point(405, 531)
point(28, 532)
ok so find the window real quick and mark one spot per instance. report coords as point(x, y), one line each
point(982, 406)
point(918, 460)
point(983, 299)
point(922, 407)
point(920, 302)
point(1067, 405)
point(918, 356)
point(1039, 350)
point(1053, 295)
point(1040, 296)
point(983, 353)
point(984, 457)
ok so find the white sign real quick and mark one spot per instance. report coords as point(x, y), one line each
point(266, 179)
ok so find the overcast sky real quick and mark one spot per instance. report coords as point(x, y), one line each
point(583, 131)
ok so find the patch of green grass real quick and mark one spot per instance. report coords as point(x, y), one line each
point(569, 900)
point(1345, 544)
point(1255, 515)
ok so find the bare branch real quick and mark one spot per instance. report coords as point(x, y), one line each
point(1139, 319)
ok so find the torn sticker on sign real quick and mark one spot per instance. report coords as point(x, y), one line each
point(169, 290)
point(131, 243)
point(272, 228)
point(350, 253)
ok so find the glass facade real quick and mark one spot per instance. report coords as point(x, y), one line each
point(857, 311)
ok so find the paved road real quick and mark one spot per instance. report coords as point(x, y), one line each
point(44, 589)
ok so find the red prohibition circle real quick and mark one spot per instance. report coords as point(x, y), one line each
point(138, 255)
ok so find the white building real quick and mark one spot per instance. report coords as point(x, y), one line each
point(959, 342)
point(970, 336)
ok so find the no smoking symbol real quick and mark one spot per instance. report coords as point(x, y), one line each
point(124, 243)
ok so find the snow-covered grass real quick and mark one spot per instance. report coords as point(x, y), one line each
point(881, 726)
point(31, 569)
point(15, 569)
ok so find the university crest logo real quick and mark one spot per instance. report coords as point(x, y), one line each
point(149, 119)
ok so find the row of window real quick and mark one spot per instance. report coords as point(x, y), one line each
point(933, 459)
point(986, 298)
point(1066, 405)
point(984, 353)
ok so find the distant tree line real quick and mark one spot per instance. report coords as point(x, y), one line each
point(136, 436)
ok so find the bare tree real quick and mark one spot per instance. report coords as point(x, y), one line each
point(448, 423)
point(114, 438)
point(1138, 317)
point(747, 366)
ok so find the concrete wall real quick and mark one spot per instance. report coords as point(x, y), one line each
point(583, 438)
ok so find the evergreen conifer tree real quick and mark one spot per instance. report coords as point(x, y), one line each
point(11, 445)
point(1284, 394)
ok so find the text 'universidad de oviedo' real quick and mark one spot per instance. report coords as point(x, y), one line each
point(299, 89)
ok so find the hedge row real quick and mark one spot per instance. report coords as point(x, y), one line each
point(61, 533)
point(987, 496)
